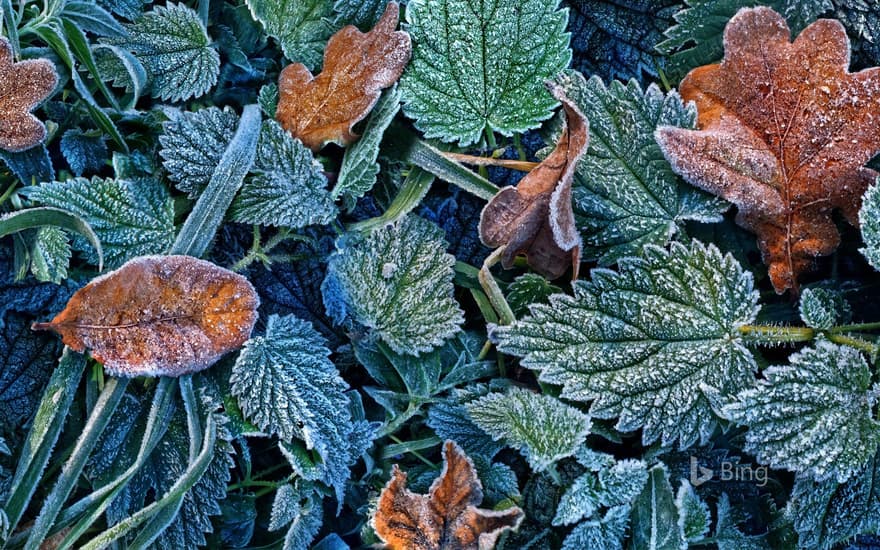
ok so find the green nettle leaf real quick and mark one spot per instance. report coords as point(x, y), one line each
point(821, 308)
point(287, 186)
point(397, 281)
point(131, 218)
point(727, 535)
point(302, 27)
point(626, 194)
point(268, 99)
point(600, 534)
point(285, 507)
point(528, 289)
point(83, 152)
point(362, 13)
point(541, 427)
point(286, 385)
point(579, 501)
point(693, 514)
point(50, 254)
point(359, 167)
point(826, 513)
point(812, 416)
point(480, 65)
point(175, 49)
point(869, 221)
point(651, 344)
point(654, 515)
point(193, 144)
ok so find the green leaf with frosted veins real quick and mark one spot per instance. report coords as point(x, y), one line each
point(480, 65)
point(175, 49)
point(362, 13)
point(287, 186)
point(397, 281)
point(302, 27)
point(130, 217)
point(652, 344)
point(869, 221)
point(694, 518)
point(606, 533)
point(50, 255)
point(626, 194)
point(812, 416)
point(193, 144)
point(541, 427)
point(822, 308)
point(655, 516)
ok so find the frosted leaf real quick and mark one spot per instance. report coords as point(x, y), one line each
point(727, 535)
point(655, 516)
point(362, 13)
point(541, 427)
point(622, 482)
point(301, 27)
point(193, 144)
point(173, 45)
point(812, 416)
point(869, 220)
point(626, 194)
point(305, 526)
point(527, 289)
point(414, 310)
point(649, 344)
point(50, 255)
point(693, 514)
point(285, 507)
point(450, 420)
point(605, 534)
point(131, 218)
point(477, 69)
point(580, 500)
point(287, 186)
point(821, 308)
point(84, 152)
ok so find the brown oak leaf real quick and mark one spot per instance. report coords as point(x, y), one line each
point(357, 66)
point(23, 86)
point(783, 133)
point(447, 518)
point(159, 316)
point(535, 218)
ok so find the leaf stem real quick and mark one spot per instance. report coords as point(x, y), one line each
point(770, 334)
point(493, 291)
point(520, 165)
point(857, 327)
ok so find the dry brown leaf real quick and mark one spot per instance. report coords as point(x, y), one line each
point(784, 132)
point(535, 218)
point(447, 518)
point(23, 86)
point(357, 66)
point(159, 316)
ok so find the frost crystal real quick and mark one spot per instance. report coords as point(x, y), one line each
point(193, 144)
point(869, 219)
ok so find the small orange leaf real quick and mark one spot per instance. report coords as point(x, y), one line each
point(784, 132)
point(357, 66)
point(447, 518)
point(159, 316)
point(535, 218)
point(23, 86)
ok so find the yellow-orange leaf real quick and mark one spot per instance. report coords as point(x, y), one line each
point(447, 518)
point(357, 66)
point(159, 316)
point(23, 85)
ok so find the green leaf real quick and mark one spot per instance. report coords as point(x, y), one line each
point(175, 49)
point(650, 344)
point(91, 17)
point(600, 534)
point(626, 194)
point(359, 169)
point(285, 507)
point(397, 281)
point(131, 218)
point(30, 218)
point(529, 289)
point(193, 144)
point(821, 308)
point(268, 99)
point(362, 13)
point(812, 416)
point(50, 255)
point(83, 152)
point(450, 420)
point(654, 515)
point(693, 514)
point(579, 501)
point(727, 536)
point(287, 187)
point(302, 27)
point(541, 427)
point(481, 66)
point(869, 220)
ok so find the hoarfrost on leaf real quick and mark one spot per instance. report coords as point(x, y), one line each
point(301, 27)
point(869, 219)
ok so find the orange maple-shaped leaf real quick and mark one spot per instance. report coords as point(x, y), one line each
point(783, 133)
point(23, 86)
point(447, 518)
point(159, 316)
point(357, 66)
point(535, 218)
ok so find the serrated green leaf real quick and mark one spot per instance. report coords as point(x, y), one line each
point(869, 220)
point(302, 27)
point(287, 186)
point(498, 480)
point(622, 482)
point(529, 289)
point(694, 518)
point(131, 218)
point(480, 65)
point(541, 427)
point(285, 507)
point(83, 152)
point(812, 416)
point(193, 144)
point(361, 13)
point(580, 500)
point(50, 255)
point(654, 515)
point(305, 527)
point(397, 281)
point(626, 194)
point(822, 308)
point(649, 344)
point(268, 99)
point(450, 420)
point(727, 536)
point(600, 534)
point(175, 49)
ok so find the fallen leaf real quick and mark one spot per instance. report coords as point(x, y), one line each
point(535, 218)
point(357, 66)
point(23, 86)
point(783, 133)
point(159, 316)
point(447, 517)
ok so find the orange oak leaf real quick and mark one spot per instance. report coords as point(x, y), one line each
point(23, 86)
point(357, 66)
point(159, 316)
point(783, 133)
point(535, 218)
point(447, 518)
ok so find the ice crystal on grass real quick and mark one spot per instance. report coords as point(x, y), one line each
point(650, 344)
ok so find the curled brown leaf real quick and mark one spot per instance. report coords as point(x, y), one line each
point(23, 86)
